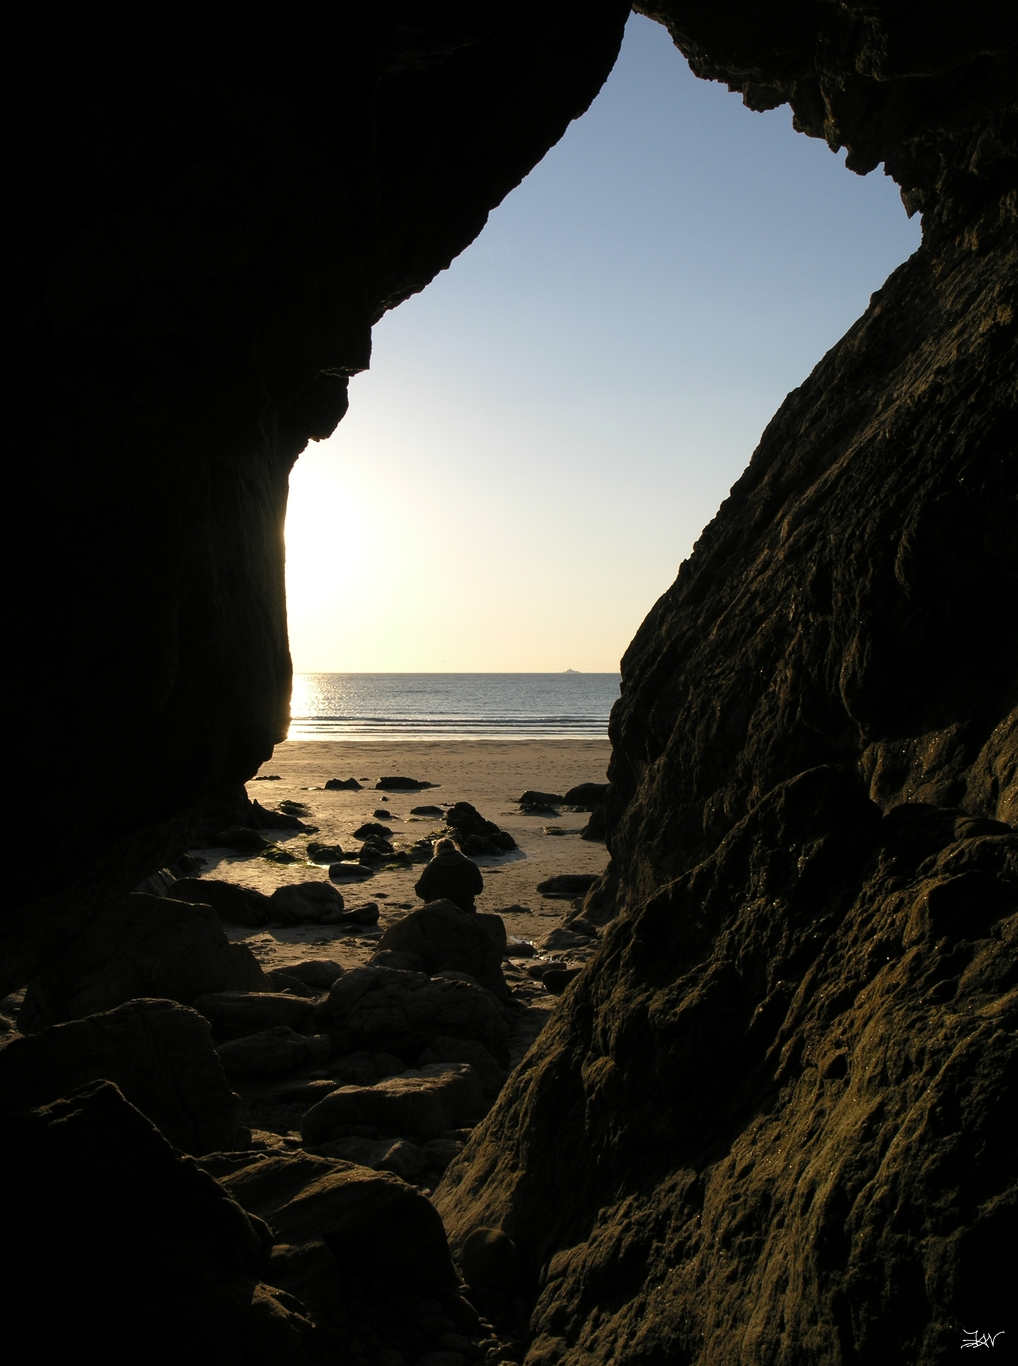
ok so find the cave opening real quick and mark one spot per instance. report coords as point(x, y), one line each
point(545, 430)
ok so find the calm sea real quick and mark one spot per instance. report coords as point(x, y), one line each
point(451, 706)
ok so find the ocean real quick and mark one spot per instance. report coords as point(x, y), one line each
point(451, 706)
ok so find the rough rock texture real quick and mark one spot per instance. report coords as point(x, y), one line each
point(158, 1054)
point(140, 946)
point(117, 1241)
point(442, 936)
point(191, 288)
point(769, 1122)
point(330, 1218)
point(420, 1104)
point(380, 1007)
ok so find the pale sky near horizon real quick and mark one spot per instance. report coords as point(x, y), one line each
point(546, 429)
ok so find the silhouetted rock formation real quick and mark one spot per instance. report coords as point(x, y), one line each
point(766, 1123)
point(195, 283)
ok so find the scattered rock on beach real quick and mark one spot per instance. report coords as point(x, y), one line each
point(476, 835)
point(315, 902)
point(538, 803)
point(444, 937)
point(342, 785)
point(349, 872)
point(235, 905)
point(426, 811)
point(567, 885)
point(371, 830)
point(402, 784)
point(383, 815)
point(318, 973)
point(324, 853)
point(595, 829)
point(562, 939)
point(586, 795)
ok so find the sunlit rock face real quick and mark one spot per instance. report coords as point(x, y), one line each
point(768, 1122)
point(209, 217)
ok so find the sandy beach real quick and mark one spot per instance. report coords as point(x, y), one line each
point(490, 774)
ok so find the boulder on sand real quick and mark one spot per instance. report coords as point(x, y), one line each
point(445, 937)
point(233, 904)
point(158, 1054)
point(233, 1014)
point(385, 1008)
point(140, 946)
point(317, 973)
point(304, 902)
point(585, 796)
point(372, 830)
point(476, 835)
point(538, 802)
point(567, 884)
point(342, 785)
point(419, 1104)
point(402, 784)
point(349, 872)
point(324, 853)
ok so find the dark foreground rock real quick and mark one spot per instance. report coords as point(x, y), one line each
point(232, 1014)
point(420, 1104)
point(159, 1055)
point(153, 1258)
point(385, 1008)
point(339, 1228)
point(141, 946)
point(442, 937)
point(235, 905)
point(586, 796)
point(272, 1053)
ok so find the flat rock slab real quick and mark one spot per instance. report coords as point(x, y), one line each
point(234, 1014)
point(369, 1006)
point(159, 1055)
point(420, 1104)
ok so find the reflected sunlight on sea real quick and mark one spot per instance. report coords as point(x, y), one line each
point(451, 706)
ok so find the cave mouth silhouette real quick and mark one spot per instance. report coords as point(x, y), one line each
point(625, 252)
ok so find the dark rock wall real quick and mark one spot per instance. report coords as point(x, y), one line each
point(768, 1122)
point(209, 215)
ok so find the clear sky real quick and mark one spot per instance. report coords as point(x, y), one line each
point(546, 429)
